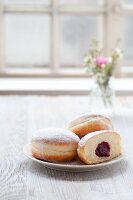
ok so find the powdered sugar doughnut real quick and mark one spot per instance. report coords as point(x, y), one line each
point(89, 123)
point(54, 145)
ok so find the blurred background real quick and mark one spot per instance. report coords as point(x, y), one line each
point(49, 38)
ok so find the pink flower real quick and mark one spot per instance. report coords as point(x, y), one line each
point(101, 61)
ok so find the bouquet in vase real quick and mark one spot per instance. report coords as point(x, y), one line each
point(102, 69)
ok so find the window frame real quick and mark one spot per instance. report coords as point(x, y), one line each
point(110, 26)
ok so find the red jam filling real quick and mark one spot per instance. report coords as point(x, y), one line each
point(103, 149)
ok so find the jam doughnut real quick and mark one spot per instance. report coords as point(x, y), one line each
point(99, 146)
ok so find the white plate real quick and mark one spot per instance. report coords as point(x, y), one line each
point(72, 166)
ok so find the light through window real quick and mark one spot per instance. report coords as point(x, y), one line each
point(51, 37)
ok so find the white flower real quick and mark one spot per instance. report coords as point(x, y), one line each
point(118, 52)
point(109, 60)
point(87, 59)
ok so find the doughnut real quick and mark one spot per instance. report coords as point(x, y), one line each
point(54, 145)
point(89, 123)
point(99, 146)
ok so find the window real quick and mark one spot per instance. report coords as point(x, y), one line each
point(43, 37)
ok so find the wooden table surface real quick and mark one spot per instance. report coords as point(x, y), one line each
point(21, 178)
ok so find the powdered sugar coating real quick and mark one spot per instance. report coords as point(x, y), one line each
point(89, 117)
point(83, 141)
point(57, 135)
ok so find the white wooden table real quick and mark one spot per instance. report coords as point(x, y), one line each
point(22, 179)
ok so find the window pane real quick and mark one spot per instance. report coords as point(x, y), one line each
point(128, 38)
point(128, 1)
point(76, 33)
point(27, 39)
point(26, 1)
point(78, 1)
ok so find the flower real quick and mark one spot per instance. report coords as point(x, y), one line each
point(102, 66)
point(100, 61)
point(98, 64)
point(118, 52)
point(87, 59)
point(109, 60)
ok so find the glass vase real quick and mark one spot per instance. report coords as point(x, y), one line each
point(102, 97)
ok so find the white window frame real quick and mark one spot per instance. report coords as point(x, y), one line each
point(111, 28)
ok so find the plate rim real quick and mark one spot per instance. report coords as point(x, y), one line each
point(72, 166)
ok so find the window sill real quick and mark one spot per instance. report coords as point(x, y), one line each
point(58, 86)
